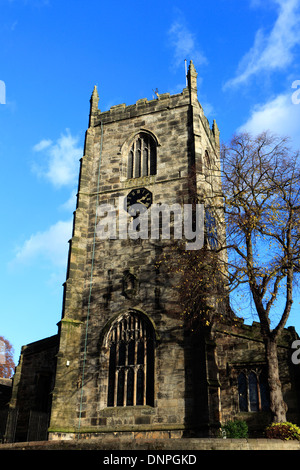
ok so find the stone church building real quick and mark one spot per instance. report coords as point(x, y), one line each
point(124, 359)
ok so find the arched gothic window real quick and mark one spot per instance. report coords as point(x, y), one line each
point(142, 157)
point(131, 362)
point(207, 159)
point(253, 392)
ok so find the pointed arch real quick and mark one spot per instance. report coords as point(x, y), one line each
point(253, 393)
point(130, 341)
point(207, 159)
point(140, 154)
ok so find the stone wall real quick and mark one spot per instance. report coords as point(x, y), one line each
point(161, 446)
point(33, 383)
point(5, 392)
point(239, 347)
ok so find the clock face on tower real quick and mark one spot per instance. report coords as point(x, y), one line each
point(138, 196)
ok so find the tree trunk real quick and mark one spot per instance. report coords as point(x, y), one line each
point(277, 405)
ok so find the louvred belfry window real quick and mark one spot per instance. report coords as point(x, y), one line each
point(131, 362)
point(142, 157)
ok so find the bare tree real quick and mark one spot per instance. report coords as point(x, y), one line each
point(261, 189)
point(7, 364)
point(259, 204)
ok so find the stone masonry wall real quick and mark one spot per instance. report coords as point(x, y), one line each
point(240, 347)
point(33, 382)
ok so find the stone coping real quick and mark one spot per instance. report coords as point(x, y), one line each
point(183, 444)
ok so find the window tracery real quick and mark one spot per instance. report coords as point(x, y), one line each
point(253, 391)
point(142, 157)
point(131, 362)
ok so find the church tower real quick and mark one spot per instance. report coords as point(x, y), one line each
point(126, 362)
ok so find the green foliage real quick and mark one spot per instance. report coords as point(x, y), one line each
point(285, 431)
point(237, 429)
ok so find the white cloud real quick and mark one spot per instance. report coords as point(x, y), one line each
point(61, 160)
point(274, 51)
point(208, 109)
point(70, 204)
point(58, 162)
point(50, 246)
point(185, 47)
point(184, 43)
point(279, 115)
point(42, 145)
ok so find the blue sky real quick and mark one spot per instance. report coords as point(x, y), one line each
point(53, 53)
